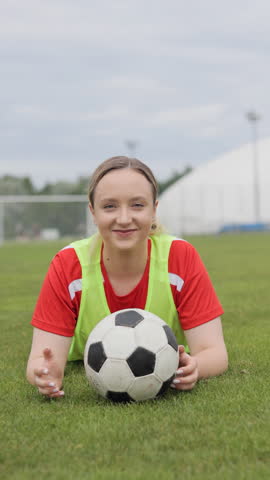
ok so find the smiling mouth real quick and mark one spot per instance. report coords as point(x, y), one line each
point(124, 231)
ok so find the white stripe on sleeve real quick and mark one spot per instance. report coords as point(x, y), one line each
point(176, 281)
point(75, 286)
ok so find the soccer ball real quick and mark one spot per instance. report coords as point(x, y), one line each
point(131, 355)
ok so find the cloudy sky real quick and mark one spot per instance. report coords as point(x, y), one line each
point(81, 79)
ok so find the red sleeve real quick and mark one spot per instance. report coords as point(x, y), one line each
point(58, 303)
point(193, 292)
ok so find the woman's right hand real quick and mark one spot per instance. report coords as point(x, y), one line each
point(48, 376)
point(46, 362)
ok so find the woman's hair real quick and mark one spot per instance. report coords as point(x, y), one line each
point(117, 163)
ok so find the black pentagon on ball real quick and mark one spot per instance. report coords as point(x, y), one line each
point(141, 362)
point(171, 337)
point(120, 397)
point(128, 318)
point(164, 387)
point(96, 356)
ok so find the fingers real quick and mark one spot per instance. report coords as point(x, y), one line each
point(188, 369)
point(184, 383)
point(54, 393)
point(58, 394)
point(48, 387)
point(187, 374)
point(188, 382)
point(184, 357)
point(43, 380)
point(181, 349)
point(42, 383)
point(40, 371)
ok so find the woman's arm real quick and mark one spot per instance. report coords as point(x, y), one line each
point(208, 355)
point(46, 363)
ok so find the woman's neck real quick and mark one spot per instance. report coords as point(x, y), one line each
point(123, 263)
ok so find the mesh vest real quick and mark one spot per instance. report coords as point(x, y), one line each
point(94, 307)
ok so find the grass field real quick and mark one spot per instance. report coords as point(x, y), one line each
point(220, 430)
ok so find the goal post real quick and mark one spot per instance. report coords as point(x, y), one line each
point(41, 217)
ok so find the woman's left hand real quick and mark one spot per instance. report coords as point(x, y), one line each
point(187, 374)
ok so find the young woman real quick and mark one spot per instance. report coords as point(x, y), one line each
point(128, 264)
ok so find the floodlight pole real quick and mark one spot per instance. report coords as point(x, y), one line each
point(131, 146)
point(253, 118)
point(2, 225)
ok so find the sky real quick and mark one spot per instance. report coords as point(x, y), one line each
point(168, 81)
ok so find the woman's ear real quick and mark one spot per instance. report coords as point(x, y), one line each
point(91, 208)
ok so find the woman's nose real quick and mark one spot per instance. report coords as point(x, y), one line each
point(123, 216)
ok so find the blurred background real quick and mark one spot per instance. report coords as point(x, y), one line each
point(181, 85)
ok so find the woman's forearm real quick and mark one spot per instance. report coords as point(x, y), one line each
point(212, 361)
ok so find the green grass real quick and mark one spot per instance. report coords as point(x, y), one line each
point(220, 430)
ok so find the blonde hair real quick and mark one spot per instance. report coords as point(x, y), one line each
point(117, 163)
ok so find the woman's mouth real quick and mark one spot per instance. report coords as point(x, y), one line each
point(124, 233)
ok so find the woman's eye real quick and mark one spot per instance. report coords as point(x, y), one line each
point(108, 207)
point(138, 205)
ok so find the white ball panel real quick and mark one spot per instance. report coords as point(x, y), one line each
point(96, 381)
point(119, 342)
point(167, 361)
point(116, 375)
point(101, 329)
point(144, 388)
point(150, 335)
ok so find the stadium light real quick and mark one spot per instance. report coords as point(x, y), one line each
point(253, 118)
point(131, 146)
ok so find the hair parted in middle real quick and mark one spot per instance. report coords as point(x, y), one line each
point(117, 163)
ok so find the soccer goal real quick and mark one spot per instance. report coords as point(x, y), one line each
point(44, 217)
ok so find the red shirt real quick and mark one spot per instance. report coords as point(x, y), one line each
point(57, 308)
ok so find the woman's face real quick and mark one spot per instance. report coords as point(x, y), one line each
point(123, 209)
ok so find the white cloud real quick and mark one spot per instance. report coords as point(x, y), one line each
point(137, 83)
point(110, 114)
point(215, 55)
point(188, 116)
point(127, 24)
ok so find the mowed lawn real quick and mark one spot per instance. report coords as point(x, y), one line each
point(220, 430)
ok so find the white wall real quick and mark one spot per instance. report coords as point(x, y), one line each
point(219, 192)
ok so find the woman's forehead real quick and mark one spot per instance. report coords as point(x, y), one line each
point(128, 180)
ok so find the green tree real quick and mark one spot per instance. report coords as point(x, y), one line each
point(11, 185)
point(172, 179)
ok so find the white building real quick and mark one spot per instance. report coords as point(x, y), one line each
point(220, 193)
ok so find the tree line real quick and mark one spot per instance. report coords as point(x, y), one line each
point(13, 185)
